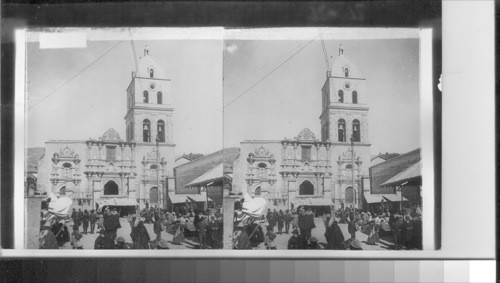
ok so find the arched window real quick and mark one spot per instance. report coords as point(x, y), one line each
point(159, 96)
point(145, 96)
point(111, 188)
point(354, 97)
point(306, 188)
point(146, 131)
point(262, 170)
point(355, 131)
point(151, 73)
point(161, 131)
point(346, 72)
point(153, 167)
point(341, 130)
point(66, 174)
point(153, 195)
point(349, 195)
point(341, 96)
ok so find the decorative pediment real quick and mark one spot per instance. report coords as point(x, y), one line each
point(262, 152)
point(111, 135)
point(306, 135)
point(152, 155)
point(66, 152)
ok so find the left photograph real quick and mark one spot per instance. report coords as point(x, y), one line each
point(123, 141)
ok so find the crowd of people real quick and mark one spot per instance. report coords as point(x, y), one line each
point(202, 226)
point(404, 229)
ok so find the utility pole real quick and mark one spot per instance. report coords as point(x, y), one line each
point(160, 202)
point(352, 173)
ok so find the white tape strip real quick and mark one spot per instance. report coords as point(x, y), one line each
point(63, 40)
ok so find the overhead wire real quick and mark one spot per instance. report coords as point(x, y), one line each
point(267, 75)
point(74, 76)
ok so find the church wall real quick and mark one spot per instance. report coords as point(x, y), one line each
point(142, 188)
point(342, 178)
point(46, 165)
point(241, 167)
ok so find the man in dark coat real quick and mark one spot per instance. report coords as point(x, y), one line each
point(85, 221)
point(281, 219)
point(287, 219)
point(334, 237)
point(112, 223)
point(157, 226)
point(351, 228)
point(93, 220)
point(306, 223)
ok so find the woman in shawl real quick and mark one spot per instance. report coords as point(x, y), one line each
point(373, 237)
point(334, 236)
point(179, 225)
point(140, 236)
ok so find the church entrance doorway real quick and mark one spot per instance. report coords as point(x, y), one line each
point(153, 195)
point(306, 188)
point(111, 188)
point(349, 195)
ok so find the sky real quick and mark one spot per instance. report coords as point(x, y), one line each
point(289, 99)
point(62, 108)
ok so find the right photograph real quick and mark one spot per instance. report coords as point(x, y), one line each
point(328, 132)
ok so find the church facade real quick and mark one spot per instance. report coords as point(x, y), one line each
point(137, 169)
point(307, 170)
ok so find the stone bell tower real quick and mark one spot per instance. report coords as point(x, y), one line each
point(149, 123)
point(344, 122)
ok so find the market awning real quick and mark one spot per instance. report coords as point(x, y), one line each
point(320, 202)
point(373, 198)
point(410, 173)
point(191, 197)
point(125, 202)
point(394, 197)
point(117, 202)
point(312, 202)
point(178, 199)
point(214, 174)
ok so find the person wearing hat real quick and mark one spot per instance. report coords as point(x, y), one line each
point(313, 244)
point(100, 243)
point(120, 244)
point(270, 236)
point(112, 223)
point(296, 242)
point(47, 239)
point(76, 236)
